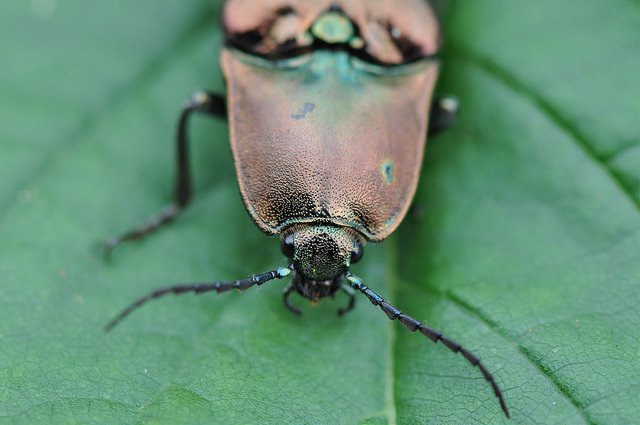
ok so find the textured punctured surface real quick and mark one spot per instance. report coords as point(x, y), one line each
point(329, 134)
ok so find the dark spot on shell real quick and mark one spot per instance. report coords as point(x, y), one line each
point(288, 205)
point(302, 113)
point(362, 213)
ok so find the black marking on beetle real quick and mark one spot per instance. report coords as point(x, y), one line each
point(285, 11)
point(409, 49)
point(251, 42)
point(302, 113)
point(324, 211)
point(362, 214)
point(292, 206)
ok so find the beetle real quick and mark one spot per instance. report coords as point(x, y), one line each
point(328, 103)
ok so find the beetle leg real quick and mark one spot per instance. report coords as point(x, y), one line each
point(443, 114)
point(208, 103)
point(414, 325)
point(287, 301)
point(352, 299)
point(203, 102)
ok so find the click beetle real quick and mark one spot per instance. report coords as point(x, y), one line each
point(328, 103)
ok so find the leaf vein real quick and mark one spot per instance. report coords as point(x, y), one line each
point(549, 110)
point(148, 73)
point(545, 371)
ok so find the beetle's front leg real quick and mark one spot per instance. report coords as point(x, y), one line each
point(203, 102)
point(444, 112)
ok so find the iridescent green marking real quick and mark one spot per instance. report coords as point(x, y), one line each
point(283, 272)
point(388, 222)
point(356, 43)
point(387, 171)
point(333, 28)
point(357, 283)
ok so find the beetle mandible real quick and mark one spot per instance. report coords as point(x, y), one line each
point(328, 103)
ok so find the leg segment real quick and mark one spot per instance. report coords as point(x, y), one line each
point(201, 288)
point(414, 325)
point(444, 112)
point(202, 102)
point(286, 296)
point(352, 300)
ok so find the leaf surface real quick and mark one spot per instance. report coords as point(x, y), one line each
point(523, 244)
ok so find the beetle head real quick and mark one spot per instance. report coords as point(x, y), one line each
point(321, 252)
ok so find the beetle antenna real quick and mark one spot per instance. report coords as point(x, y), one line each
point(201, 288)
point(414, 325)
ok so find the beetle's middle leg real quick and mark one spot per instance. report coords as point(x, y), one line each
point(286, 297)
point(352, 300)
point(444, 112)
point(202, 102)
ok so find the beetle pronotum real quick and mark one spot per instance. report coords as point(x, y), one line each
point(328, 103)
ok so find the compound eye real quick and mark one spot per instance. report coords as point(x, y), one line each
point(287, 246)
point(357, 252)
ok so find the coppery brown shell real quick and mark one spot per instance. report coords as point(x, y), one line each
point(326, 140)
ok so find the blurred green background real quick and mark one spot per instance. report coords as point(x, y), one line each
point(524, 248)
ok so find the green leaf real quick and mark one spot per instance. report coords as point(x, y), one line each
point(523, 245)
